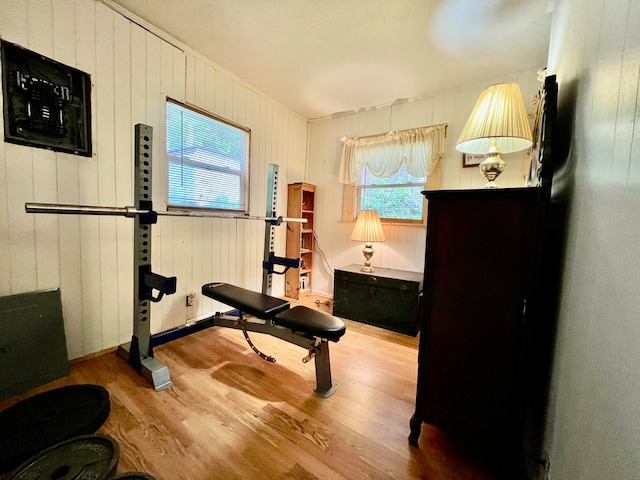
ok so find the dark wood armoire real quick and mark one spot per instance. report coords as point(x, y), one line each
point(480, 280)
point(490, 297)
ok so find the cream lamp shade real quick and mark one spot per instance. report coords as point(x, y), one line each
point(497, 124)
point(368, 229)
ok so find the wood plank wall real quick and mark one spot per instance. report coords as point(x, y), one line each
point(132, 71)
point(404, 247)
point(91, 258)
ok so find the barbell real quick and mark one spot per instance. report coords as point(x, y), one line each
point(131, 212)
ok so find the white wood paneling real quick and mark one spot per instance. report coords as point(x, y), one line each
point(40, 26)
point(122, 141)
point(91, 258)
point(70, 264)
point(22, 235)
point(404, 247)
point(47, 239)
point(105, 150)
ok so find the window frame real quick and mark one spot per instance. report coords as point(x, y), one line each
point(244, 177)
point(359, 187)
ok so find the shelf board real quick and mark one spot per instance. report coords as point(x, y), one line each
point(305, 270)
point(305, 250)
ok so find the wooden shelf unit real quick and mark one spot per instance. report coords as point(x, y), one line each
point(300, 241)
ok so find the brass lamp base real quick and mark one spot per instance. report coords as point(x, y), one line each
point(491, 168)
point(368, 253)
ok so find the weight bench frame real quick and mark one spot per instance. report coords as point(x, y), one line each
point(266, 321)
point(325, 386)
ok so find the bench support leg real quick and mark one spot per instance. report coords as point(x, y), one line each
point(324, 384)
point(325, 387)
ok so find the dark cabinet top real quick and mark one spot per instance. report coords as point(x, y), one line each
point(390, 273)
point(483, 193)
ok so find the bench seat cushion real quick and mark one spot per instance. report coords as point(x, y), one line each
point(247, 301)
point(311, 322)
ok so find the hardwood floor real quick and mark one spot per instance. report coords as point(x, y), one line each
point(231, 415)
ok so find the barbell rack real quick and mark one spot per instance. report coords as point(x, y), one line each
point(139, 352)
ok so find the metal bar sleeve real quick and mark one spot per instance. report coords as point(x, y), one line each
point(81, 209)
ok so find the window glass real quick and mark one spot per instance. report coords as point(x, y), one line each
point(396, 198)
point(208, 161)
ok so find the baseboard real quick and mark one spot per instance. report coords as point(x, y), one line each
point(84, 358)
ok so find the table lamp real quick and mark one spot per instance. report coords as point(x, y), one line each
point(368, 229)
point(498, 124)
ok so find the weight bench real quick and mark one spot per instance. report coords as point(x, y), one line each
point(299, 325)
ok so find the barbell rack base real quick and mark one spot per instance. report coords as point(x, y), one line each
point(154, 371)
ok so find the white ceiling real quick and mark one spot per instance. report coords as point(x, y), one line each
point(319, 57)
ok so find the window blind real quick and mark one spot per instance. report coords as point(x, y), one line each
point(208, 161)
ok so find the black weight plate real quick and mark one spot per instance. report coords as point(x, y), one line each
point(134, 476)
point(48, 418)
point(87, 457)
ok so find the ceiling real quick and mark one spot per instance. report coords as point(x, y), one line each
point(320, 57)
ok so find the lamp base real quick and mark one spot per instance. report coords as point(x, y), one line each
point(491, 168)
point(368, 253)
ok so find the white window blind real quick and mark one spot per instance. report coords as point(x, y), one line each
point(208, 161)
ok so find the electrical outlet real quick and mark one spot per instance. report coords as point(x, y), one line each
point(190, 298)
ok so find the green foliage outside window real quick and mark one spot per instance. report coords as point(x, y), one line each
point(397, 197)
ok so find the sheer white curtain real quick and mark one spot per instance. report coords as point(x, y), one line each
point(420, 148)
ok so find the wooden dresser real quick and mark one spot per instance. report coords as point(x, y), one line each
point(480, 280)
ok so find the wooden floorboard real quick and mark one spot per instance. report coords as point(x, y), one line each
point(231, 415)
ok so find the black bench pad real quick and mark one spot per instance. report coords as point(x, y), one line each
point(253, 303)
point(298, 319)
point(311, 322)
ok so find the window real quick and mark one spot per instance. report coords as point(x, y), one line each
point(208, 161)
point(396, 198)
point(387, 172)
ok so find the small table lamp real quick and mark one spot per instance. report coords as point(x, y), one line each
point(368, 228)
point(498, 124)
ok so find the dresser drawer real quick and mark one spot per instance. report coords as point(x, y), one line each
point(386, 298)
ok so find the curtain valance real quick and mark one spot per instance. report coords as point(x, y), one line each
point(420, 148)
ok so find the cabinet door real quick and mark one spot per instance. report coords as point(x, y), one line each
point(475, 288)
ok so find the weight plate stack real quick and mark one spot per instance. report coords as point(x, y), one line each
point(48, 418)
point(87, 457)
point(134, 476)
